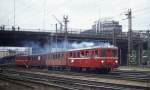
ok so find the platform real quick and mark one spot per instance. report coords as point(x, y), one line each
point(134, 68)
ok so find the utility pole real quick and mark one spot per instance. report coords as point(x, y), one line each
point(129, 17)
point(66, 30)
point(114, 34)
point(44, 14)
point(51, 42)
point(96, 27)
point(140, 48)
point(148, 34)
point(56, 36)
point(14, 12)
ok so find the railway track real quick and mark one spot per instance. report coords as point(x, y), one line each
point(120, 75)
point(71, 82)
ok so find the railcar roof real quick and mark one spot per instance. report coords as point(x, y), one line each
point(94, 47)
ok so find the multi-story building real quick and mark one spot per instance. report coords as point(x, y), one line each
point(9, 51)
point(105, 26)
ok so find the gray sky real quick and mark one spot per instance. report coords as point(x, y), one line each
point(82, 13)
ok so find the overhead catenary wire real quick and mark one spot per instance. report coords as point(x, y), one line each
point(44, 13)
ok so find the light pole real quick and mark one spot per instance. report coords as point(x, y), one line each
point(129, 17)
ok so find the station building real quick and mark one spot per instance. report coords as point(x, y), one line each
point(9, 51)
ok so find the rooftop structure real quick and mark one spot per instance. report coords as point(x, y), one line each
point(105, 26)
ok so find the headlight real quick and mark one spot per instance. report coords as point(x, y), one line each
point(72, 61)
point(102, 61)
point(116, 61)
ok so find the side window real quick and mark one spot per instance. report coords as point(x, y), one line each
point(34, 57)
point(48, 56)
point(74, 54)
point(70, 54)
point(92, 53)
point(54, 56)
point(62, 56)
point(78, 54)
point(96, 53)
point(51, 56)
point(58, 56)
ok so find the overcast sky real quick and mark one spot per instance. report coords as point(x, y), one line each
point(82, 13)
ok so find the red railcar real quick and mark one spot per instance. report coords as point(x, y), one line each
point(31, 60)
point(94, 58)
point(22, 60)
point(56, 59)
point(37, 60)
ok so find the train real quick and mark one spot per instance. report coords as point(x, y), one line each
point(95, 59)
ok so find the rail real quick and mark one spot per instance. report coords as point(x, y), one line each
point(71, 82)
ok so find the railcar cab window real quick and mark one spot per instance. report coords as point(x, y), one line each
point(103, 53)
point(87, 53)
point(70, 54)
point(114, 53)
point(58, 56)
point(78, 54)
point(96, 53)
point(74, 54)
point(82, 54)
